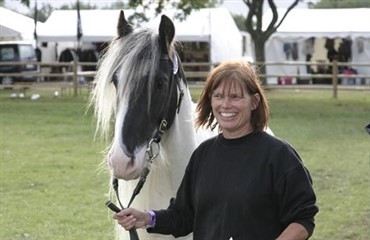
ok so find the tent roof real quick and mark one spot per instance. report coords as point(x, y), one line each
point(322, 23)
point(97, 25)
point(13, 24)
point(100, 25)
point(196, 27)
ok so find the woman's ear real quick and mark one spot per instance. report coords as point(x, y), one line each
point(255, 100)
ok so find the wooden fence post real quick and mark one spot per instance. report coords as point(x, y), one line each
point(75, 78)
point(335, 78)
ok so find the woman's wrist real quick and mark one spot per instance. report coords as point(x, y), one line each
point(152, 219)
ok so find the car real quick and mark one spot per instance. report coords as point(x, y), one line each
point(18, 51)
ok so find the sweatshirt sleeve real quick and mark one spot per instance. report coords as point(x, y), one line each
point(295, 194)
point(177, 219)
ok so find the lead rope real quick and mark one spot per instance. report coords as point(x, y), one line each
point(144, 173)
point(146, 170)
point(132, 232)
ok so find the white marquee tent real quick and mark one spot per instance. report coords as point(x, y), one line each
point(302, 24)
point(97, 26)
point(215, 26)
point(15, 26)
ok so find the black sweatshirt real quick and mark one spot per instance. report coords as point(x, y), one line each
point(252, 187)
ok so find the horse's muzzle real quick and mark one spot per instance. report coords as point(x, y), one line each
point(123, 166)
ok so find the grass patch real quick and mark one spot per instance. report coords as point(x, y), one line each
point(330, 136)
point(50, 187)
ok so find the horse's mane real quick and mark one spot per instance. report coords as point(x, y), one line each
point(131, 57)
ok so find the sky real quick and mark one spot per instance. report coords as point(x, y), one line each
point(235, 6)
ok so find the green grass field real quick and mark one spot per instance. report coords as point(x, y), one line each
point(51, 188)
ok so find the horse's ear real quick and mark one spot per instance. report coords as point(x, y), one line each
point(124, 27)
point(166, 33)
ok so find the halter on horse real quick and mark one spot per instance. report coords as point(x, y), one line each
point(140, 84)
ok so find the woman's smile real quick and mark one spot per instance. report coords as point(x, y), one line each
point(228, 114)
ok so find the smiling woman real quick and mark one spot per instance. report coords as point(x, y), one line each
point(243, 173)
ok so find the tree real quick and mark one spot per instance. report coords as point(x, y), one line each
point(117, 5)
point(184, 6)
point(73, 6)
point(42, 13)
point(240, 22)
point(26, 2)
point(254, 26)
point(341, 4)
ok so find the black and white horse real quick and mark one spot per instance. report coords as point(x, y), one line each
point(140, 86)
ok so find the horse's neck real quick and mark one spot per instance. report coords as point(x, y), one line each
point(181, 140)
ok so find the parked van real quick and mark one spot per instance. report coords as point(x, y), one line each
point(17, 51)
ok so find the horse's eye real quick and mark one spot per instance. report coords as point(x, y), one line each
point(159, 84)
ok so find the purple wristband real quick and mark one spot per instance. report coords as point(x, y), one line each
point(152, 219)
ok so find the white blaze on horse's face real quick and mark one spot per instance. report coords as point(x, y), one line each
point(149, 96)
point(121, 162)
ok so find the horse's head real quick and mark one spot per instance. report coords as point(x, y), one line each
point(142, 72)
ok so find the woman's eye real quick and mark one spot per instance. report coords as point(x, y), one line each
point(235, 96)
point(217, 95)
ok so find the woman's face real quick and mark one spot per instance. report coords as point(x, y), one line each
point(232, 107)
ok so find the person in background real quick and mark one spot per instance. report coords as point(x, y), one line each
point(242, 184)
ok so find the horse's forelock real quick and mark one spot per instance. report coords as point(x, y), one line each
point(140, 57)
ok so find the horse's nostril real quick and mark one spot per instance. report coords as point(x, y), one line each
point(130, 155)
point(128, 151)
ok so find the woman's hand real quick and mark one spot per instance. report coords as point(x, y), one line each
point(130, 218)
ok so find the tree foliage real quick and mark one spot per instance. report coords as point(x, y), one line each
point(117, 5)
point(73, 6)
point(184, 7)
point(240, 22)
point(26, 2)
point(341, 4)
point(43, 12)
